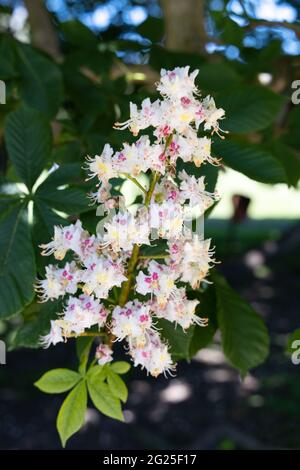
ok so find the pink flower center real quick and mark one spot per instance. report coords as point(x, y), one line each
point(185, 101)
point(144, 318)
point(166, 130)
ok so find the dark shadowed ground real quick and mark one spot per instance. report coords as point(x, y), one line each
point(206, 406)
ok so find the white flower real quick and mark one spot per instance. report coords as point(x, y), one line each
point(166, 190)
point(65, 238)
point(148, 115)
point(101, 195)
point(153, 356)
point(84, 312)
point(58, 282)
point(124, 231)
point(212, 114)
point(101, 166)
point(111, 258)
point(193, 189)
point(133, 321)
point(196, 261)
point(104, 354)
point(101, 275)
point(180, 310)
point(54, 336)
point(139, 157)
point(190, 148)
point(177, 83)
point(167, 219)
point(160, 282)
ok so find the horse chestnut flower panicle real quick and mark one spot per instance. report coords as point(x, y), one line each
point(109, 286)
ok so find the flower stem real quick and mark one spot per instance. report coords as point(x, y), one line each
point(154, 256)
point(86, 333)
point(126, 286)
point(136, 182)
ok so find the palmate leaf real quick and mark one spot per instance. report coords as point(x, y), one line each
point(120, 367)
point(83, 347)
point(203, 336)
point(68, 200)
point(44, 219)
point(251, 160)
point(40, 84)
point(36, 323)
point(293, 344)
point(17, 262)
point(8, 68)
point(77, 34)
point(28, 140)
point(104, 400)
point(289, 159)
point(249, 108)
point(210, 173)
point(245, 339)
point(178, 339)
point(58, 380)
point(72, 412)
point(217, 77)
point(152, 28)
point(117, 385)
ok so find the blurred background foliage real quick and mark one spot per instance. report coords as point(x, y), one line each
point(72, 67)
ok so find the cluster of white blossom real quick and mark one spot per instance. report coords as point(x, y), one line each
point(111, 289)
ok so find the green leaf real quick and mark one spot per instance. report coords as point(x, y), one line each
point(289, 159)
point(28, 140)
point(292, 136)
point(69, 200)
point(249, 108)
point(83, 347)
point(245, 339)
point(78, 35)
point(37, 319)
point(40, 85)
point(217, 77)
point(44, 219)
point(17, 263)
point(117, 385)
point(97, 373)
point(8, 60)
point(104, 400)
point(7, 201)
point(160, 57)
point(64, 174)
point(67, 153)
point(152, 28)
point(251, 160)
point(295, 336)
point(58, 380)
point(72, 412)
point(120, 367)
point(210, 172)
point(203, 336)
point(231, 32)
point(178, 339)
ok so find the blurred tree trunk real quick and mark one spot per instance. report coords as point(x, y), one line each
point(43, 33)
point(185, 25)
